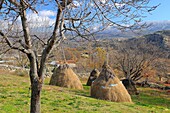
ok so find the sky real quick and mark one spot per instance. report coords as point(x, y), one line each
point(162, 13)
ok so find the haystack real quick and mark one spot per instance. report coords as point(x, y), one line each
point(64, 76)
point(108, 87)
point(93, 75)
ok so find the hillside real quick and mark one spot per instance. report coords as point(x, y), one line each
point(160, 38)
point(15, 98)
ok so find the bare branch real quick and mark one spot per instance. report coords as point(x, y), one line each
point(50, 45)
point(11, 45)
point(4, 52)
point(29, 6)
point(25, 26)
point(14, 2)
point(1, 3)
point(44, 43)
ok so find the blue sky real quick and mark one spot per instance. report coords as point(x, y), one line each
point(162, 13)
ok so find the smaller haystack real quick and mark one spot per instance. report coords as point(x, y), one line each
point(108, 87)
point(64, 76)
point(93, 75)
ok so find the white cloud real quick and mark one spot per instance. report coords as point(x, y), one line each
point(118, 5)
point(103, 1)
point(76, 3)
point(47, 13)
point(43, 19)
point(95, 28)
point(3, 24)
point(92, 4)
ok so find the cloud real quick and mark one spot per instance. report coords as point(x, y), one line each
point(43, 19)
point(103, 1)
point(76, 3)
point(92, 4)
point(47, 13)
point(118, 5)
point(3, 24)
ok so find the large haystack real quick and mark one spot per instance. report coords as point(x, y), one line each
point(108, 87)
point(93, 75)
point(65, 77)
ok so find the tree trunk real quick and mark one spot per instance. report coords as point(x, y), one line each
point(35, 96)
point(160, 78)
point(36, 84)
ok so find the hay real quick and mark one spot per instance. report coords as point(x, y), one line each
point(108, 87)
point(64, 76)
point(93, 75)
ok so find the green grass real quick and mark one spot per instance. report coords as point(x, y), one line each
point(15, 98)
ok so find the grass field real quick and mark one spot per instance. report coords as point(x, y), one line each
point(15, 98)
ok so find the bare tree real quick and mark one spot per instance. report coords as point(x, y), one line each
point(73, 17)
point(132, 58)
point(161, 67)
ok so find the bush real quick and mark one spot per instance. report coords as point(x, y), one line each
point(21, 73)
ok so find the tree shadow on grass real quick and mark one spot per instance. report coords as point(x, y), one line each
point(85, 92)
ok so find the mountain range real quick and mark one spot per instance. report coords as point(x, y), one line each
point(112, 32)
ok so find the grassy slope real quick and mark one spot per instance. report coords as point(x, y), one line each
point(14, 98)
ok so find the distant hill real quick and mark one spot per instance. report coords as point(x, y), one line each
point(112, 32)
point(160, 38)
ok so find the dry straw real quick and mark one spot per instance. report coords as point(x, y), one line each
point(108, 87)
point(64, 76)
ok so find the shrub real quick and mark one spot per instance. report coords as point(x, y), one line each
point(21, 72)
